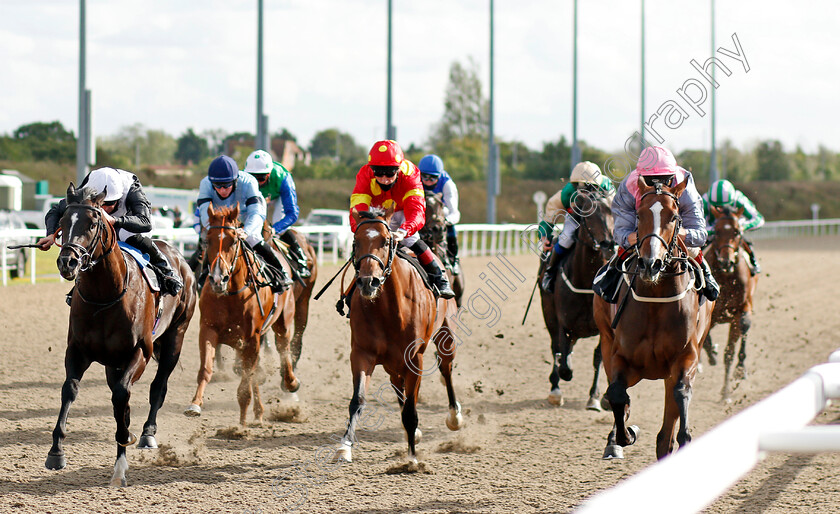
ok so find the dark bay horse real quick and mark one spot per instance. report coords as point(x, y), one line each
point(731, 269)
point(434, 235)
point(393, 316)
point(117, 321)
point(659, 334)
point(237, 306)
point(568, 310)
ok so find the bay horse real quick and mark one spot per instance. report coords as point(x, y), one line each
point(659, 334)
point(237, 307)
point(393, 316)
point(737, 287)
point(117, 321)
point(568, 310)
point(433, 234)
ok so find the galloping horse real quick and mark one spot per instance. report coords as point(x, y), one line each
point(116, 320)
point(568, 310)
point(236, 308)
point(737, 287)
point(393, 316)
point(433, 234)
point(659, 334)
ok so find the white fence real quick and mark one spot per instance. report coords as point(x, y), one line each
point(333, 243)
point(693, 477)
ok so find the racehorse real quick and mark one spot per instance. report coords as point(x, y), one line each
point(393, 316)
point(236, 308)
point(659, 333)
point(568, 310)
point(737, 287)
point(117, 321)
point(433, 234)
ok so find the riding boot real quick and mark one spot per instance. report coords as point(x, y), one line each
point(170, 283)
point(68, 298)
point(452, 254)
point(297, 254)
point(607, 282)
point(712, 289)
point(550, 273)
point(282, 282)
point(439, 280)
point(755, 268)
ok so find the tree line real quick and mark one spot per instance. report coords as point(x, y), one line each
point(459, 138)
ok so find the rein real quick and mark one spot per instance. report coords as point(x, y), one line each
point(669, 246)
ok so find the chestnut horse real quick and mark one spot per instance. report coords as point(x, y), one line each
point(659, 334)
point(117, 321)
point(568, 310)
point(737, 286)
point(236, 308)
point(393, 316)
point(433, 234)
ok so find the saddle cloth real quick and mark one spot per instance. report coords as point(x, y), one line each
point(146, 269)
point(412, 259)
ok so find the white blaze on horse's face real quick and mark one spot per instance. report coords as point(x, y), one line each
point(73, 219)
point(371, 233)
point(655, 244)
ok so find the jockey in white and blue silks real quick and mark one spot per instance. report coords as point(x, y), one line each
point(436, 180)
point(226, 186)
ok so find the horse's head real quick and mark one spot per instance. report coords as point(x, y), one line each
point(83, 231)
point(596, 222)
point(223, 246)
point(374, 250)
point(434, 231)
point(659, 223)
point(727, 240)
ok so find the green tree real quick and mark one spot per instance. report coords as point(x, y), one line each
point(552, 163)
point(338, 146)
point(285, 135)
point(465, 111)
point(47, 141)
point(140, 146)
point(697, 162)
point(191, 148)
point(772, 162)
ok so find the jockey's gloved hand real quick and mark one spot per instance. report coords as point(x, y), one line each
point(400, 234)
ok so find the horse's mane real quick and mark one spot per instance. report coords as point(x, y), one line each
point(223, 211)
point(372, 213)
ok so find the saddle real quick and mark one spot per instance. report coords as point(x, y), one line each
point(149, 272)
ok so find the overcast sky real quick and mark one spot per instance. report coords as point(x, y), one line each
point(192, 63)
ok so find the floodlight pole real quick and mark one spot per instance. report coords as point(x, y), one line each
point(575, 149)
point(390, 130)
point(713, 169)
point(642, 130)
point(493, 182)
point(82, 135)
point(262, 129)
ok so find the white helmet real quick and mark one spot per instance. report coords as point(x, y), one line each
point(107, 178)
point(586, 172)
point(259, 163)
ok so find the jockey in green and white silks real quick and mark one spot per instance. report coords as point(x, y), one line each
point(560, 209)
point(723, 194)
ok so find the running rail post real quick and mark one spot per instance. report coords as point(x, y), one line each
point(693, 477)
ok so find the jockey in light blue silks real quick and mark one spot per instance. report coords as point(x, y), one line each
point(226, 186)
point(436, 180)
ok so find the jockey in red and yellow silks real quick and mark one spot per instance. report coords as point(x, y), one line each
point(389, 180)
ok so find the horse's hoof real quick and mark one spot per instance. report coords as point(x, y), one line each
point(555, 397)
point(613, 451)
point(147, 442)
point(593, 404)
point(55, 462)
point(131, 440)
point(605, 404)
point(343, 454)
point(119, 482)
point(455, 421)
point(634, 433)
point(192, 411)
point(740, 373)
point(294, 388)
point(699, 367)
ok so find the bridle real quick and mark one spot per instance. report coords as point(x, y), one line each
point(85, 253)
point(595, 244)
point(237, 252)
point(670, 246)
point(734, 244)
point(386, 267)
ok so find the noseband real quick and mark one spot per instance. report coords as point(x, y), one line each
point(733, 245)
point(386, 267)
point(85, 253)
point(670, 246)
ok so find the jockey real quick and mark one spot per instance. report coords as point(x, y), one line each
point(585, 176)
point(657, 165)
point(436, 180)
point(723, 194)
point(226, 186)
point(126, 207)
point(277, 185)
point(389, 180)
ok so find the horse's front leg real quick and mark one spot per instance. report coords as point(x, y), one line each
point(555, 396)
point(208, 339)
point(666, 439)
point(75, 365)
point(170, 350)
point(282, 341)
point(120, 380)
point(621, 435)
point(682, 397)
point(744, 325)
point(728, 358)
point(594, 402)
point(361, 367)
point(247, 385)
point(409, 411)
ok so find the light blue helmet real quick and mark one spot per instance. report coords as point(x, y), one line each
point(431, 165)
